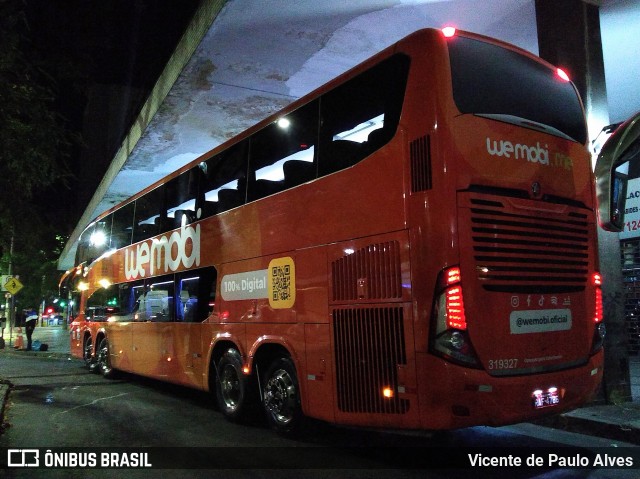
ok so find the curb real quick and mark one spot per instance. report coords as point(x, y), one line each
point(615, 424)
point(39, 354)
point(5, 387)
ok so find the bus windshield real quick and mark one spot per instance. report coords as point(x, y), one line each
point(500, 83)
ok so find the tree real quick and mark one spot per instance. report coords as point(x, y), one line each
point(33, 139)
point(34, 148)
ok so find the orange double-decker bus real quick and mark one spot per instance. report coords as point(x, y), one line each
point(412, 245)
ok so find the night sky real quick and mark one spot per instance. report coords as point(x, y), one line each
point(106, 57)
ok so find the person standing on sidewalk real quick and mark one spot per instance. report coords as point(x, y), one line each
point(3, 321)
point(31, 320)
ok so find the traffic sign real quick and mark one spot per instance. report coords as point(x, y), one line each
point(13, 285)
point(3, 279)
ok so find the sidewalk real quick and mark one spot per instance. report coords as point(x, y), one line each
point(616, 422)
point(56, 337)
point(619, 422)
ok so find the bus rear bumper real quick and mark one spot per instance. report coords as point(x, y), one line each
point(453, 397)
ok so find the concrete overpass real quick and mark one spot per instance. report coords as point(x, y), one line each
point(241, 60)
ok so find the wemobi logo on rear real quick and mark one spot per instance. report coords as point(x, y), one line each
point(534, 154)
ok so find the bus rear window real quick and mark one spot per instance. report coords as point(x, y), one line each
point(491, 80)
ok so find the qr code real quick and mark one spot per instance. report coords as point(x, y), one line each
point(281, 280)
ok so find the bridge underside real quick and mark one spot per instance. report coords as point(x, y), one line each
point(242, 60)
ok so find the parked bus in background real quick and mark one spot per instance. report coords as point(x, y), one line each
point(412, 245)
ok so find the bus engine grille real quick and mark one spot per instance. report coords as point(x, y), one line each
point(420, 153)
point(529, 250)
point(377, 266)
point(369, 346)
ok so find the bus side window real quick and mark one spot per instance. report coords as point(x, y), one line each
point(94, 240)
point(118, 302)
point(224, 180)
point(149, 211)
point(361, 115)
point(100, 301)
point(129, 301)
point(122, 228)
point(187, 297)
point(297, 172)
point(207, 293)
point(193, 292)
point(157, 302)
point(289, 141)
point(180, 200)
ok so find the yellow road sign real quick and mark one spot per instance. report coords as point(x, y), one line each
point(13, 285)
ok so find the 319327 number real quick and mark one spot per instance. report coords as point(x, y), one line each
point(503, 363)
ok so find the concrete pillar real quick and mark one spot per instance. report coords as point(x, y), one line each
point(569, 37)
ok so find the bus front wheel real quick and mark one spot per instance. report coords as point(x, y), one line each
point(87, 354)
point(281, 397)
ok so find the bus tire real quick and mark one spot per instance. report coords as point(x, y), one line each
point(233, 388)
point(104, 359)
point(281, 398)
point(87, 354)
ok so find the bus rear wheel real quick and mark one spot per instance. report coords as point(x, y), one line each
point(104, 360)
point(233, 388)
point(281, 397)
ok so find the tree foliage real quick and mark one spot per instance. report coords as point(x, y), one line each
point(33, 137)
point(35, 144)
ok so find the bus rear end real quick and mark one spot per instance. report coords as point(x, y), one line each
point(516, 321)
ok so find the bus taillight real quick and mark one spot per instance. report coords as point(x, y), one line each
point(598, 314)
point(455, 308)
point(597, 282)
point(453, 276)
point(449, 336)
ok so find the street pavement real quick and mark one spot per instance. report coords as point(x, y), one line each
point(619, 422)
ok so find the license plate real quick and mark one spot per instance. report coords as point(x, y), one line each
point(542, 399)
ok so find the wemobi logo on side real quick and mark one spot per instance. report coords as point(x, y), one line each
point(164, 254)
point(534, 154)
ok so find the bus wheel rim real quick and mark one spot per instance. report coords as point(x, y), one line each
point(230, 387)
point(88, 350)
point(280, 396)
point(103, 357)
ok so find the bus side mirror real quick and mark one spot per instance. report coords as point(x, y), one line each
point(620, 151)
